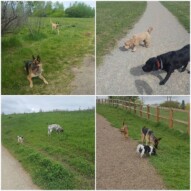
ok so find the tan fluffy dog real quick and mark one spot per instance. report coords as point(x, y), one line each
point(55, 26)
point(144, 37)
point(124, 130)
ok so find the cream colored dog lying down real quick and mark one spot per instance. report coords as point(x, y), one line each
point(144, 37)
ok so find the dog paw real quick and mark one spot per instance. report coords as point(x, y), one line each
point(161, 83)
point(31, 86)
point(46, 82)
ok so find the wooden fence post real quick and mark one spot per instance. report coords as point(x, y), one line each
point(171, 118)
point(135, 108)
point(148, 112)
point(157, 113)
point(141, 109)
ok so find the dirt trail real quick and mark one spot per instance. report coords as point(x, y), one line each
point(118, 165)
point(84, 82)
point(13, 176)
point(121, 71)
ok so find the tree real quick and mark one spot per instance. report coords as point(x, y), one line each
point(80, 10)
point(183, 106)
point(126, 98)
point(170, 104)
point(13, 15)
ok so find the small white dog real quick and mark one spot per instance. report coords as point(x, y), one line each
point(145, 149)
point(20, 139)
point(54, 127)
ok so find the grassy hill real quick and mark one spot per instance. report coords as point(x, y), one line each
point(113, 21)
point(59, 54)
point(60, 161)
point(173, 156)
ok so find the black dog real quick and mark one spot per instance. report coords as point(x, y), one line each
point(169, 62)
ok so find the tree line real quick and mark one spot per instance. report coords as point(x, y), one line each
point(15, 13)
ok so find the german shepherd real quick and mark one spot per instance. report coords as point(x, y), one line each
point(124, 130)
point(148, 135)
point(34, 69)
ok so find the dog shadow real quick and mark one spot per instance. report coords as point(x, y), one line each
point(138, 71)
point(123, 49)
point(143, 87)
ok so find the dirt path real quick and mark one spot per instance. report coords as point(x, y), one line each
point(13, 177)
point(84, 82)
point(118, 165)
point(121, 72)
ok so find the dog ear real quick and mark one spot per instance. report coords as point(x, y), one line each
point(159, 139)
point(33, 57)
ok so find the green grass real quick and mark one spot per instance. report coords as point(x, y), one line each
point(59, 54)
point(114, 20)
point(173, 156)
point(60, 161)
point(181, 10)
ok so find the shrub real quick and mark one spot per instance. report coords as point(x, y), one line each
point(80, 10)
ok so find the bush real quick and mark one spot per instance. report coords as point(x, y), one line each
point(171, 104)
point(80, 10)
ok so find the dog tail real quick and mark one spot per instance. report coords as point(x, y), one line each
point(150, 30)
point(26, 66)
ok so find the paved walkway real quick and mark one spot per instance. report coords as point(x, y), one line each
point(13, 176)
point(121, 71)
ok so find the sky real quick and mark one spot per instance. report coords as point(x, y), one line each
point(158, 99)
point(28, 104)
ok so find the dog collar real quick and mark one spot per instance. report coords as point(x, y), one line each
point(159, 64)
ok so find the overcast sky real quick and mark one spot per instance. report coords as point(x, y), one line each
point(159, 99)
point(27, 104)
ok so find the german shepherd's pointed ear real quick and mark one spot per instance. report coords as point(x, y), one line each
point(33, 57)
point(159, 139)
point(38, 58)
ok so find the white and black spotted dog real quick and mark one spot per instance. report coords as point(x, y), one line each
point(146, 149)
point(20, 139)
point(54, 127)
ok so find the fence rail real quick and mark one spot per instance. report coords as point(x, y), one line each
point(144, 111)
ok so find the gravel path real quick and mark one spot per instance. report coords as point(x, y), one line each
point(118, 165)
point(13, 177)
point(84, 82)
point(121, 73)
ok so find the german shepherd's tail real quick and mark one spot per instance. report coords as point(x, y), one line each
point(26, 66)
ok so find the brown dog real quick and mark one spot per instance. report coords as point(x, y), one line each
point(34, 69)
point(55, 26)
point(124, 130)
point(144, 37)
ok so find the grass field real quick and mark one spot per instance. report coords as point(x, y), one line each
point(114, 20)
point(59, 54)
point(173, 156)
point(60, 161)
point(181, 10)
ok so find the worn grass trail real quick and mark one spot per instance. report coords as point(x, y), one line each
point(10, 170)
point(121, 71)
